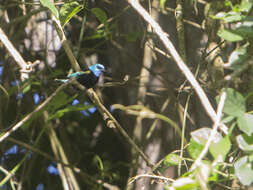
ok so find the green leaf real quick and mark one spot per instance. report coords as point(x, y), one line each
point(245, 123)
point(228, 119)
point(245, 6)
point(101, 16)
point(237, 56)
point(235, 103)
point(50, 6)
point(97, 160)
point(68, 10)
point(233, 17)
point(133, 36)
point(244, 28)
point(61, 112)
point(194, 149)
point(26, 88)
point(172, 160)
point(220, 15)
point(220, 148)
point(201, 135)
point(98, 35)
point(58, 101)
point(162, 3)
point(245, 142)
point(228, 17)
point(229, 35)
point(243, 170)
point(228, 3)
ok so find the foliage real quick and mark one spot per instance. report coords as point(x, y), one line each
point(69, 138)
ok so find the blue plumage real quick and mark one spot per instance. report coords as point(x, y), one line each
point(88, 78)
point(97, 69)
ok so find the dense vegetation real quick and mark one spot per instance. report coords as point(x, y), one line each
point(172, 111)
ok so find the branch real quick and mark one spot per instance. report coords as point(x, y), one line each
point(26, 68)
point(12, 50)
point(166, 179)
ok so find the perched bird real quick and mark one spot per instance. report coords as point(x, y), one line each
point(88, 78)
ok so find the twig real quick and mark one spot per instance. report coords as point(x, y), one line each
point(180, 63)
point(150, 176)
point(185, 20)
point(35, 150)
point(65, 44)
point(159, 51)
point(143, 112)
point(7, 173)
point(183, 134)
point(213, 132)
point(180, 28)
point(154, 124)
point(107, 185)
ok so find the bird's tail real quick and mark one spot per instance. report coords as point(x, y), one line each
point(62, 80)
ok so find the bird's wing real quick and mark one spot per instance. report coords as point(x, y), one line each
point(77, 74)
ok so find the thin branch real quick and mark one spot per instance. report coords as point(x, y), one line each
point(183, 134)
point(65, 44)
point(38, 151)
point(194, 24)
point(150, 176)
point(154, 124)
point(180, 28)
point(7, 173)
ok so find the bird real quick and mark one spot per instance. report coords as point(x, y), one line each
point(87, 78)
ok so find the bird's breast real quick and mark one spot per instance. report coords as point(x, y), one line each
point(88, 80)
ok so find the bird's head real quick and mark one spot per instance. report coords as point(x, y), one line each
point(97, 69)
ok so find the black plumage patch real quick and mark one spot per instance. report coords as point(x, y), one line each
point(88, 80)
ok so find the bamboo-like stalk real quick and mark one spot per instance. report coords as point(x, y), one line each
point(66, 173)
point(141, 96)
point(180, 29)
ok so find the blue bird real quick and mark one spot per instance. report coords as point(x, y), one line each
point(88, 78)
